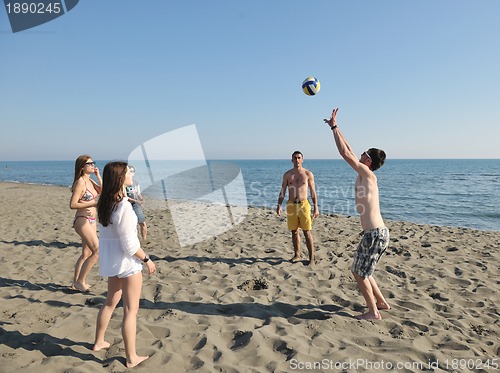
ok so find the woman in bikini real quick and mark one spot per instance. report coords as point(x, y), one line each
point(84, 200)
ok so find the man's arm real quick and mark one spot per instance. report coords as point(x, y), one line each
point(343, 146)
point(312, 190)
point(281, 197)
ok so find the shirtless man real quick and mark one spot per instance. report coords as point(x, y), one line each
point(375, 235)
point(298, 208)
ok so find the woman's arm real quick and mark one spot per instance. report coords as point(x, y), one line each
point(126, 225)
point(98, 185)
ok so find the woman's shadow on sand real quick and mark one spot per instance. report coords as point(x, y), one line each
point(48, 345)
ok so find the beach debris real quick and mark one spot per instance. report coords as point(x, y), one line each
point(254, 284)
point(95, 301)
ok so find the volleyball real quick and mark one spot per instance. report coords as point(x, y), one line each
point(311, 86)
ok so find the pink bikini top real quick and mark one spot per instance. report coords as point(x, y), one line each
point(87, 196)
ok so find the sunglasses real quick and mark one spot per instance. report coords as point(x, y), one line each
point(89, 163)
point(368, 155)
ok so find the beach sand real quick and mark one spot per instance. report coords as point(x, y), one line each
point(234, 303)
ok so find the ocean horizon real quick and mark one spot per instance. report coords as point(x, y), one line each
point(443, 192)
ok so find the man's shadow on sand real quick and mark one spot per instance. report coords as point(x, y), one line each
point(251, 310)
point(229, 261)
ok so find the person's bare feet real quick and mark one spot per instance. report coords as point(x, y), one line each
point(383, 306)
point(311, 263)
point(295, 259)
point(369, 316)
point(84, 288)
point(136, 361)
point(100, 346)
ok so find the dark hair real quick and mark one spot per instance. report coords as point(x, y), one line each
point(297, 152)
point(113, 178)
point(378, 158)
point(79, 166)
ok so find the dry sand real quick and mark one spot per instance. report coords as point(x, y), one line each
point(200, 312)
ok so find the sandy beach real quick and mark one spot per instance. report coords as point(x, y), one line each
point(235, 303)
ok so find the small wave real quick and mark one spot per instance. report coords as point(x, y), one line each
point(493, 215)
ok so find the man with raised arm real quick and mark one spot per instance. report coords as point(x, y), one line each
point(375, 234)
point(298, 209)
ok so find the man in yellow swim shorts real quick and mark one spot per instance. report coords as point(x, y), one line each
point(298, 209)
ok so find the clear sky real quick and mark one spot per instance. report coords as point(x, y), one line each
point(419, 79)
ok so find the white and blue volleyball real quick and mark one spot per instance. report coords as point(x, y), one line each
point(311, 86)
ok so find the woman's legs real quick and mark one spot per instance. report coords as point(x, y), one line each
point(78, 266)
point(132, 287)
point(90, 242)
point(106, 311)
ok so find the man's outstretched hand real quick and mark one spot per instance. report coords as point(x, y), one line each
point(333, 119)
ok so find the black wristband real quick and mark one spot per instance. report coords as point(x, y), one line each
point(333, 127)
point(146, 259)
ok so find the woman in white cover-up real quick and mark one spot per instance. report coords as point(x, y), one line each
point(121, 259)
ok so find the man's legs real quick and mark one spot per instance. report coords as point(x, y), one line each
point(296, 245)
point(365, 286)
point(381, 302)
point(310, 246)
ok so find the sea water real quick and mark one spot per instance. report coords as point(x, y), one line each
point(451, 192)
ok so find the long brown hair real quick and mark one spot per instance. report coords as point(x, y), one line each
point(79, 166)
point(113, 178)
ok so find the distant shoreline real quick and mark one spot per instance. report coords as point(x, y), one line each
point(388, 221)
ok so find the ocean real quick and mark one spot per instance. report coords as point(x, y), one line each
point(448, 192)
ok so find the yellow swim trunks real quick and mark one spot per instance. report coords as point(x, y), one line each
point(299, 215)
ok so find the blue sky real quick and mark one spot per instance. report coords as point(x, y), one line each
point(419, 79)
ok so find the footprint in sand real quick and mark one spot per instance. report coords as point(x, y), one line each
point(200, 344)
point(196, 363)
point(438, 296)
point(395, 272)
point(241, 339)
point(217, 354)
point(281, 346)
point(160, 332)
